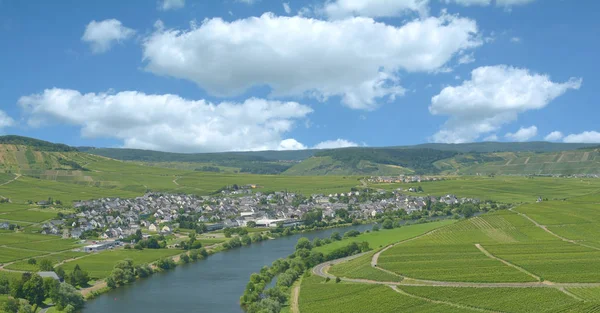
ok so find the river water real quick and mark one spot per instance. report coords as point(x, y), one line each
point(211, 285)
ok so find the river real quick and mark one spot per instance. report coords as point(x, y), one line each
point(211, 285)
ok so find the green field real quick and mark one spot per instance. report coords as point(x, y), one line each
point(507, 189)
point(54, 258)
point(385, 237)
point(319, 297)
point(99, 265)
point(361, 268)
point(500, 299)
point(489, 251)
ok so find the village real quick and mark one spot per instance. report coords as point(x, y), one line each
point(114, 218)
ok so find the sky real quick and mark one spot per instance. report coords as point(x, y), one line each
point(240, 75)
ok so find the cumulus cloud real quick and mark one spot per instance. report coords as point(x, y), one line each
point(5, 120)
point(168, 122)
point(291, 144)
point(374, 8)
point(494, 96)
point(102, 35)
point(334, 144)
point(554, 136)
point(584, 137)
point(357, 59)
point(166, 5)
point(286, 8)
point(523, 134)
point(248, 1)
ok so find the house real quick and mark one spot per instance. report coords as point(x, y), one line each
point(166, 229)
point(152, 227)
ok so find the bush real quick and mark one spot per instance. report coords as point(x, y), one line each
point(337, 280)
point(184, 258)
point(327, 279)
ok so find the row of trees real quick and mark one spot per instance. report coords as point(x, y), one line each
point(258, 299)
point(31, 289)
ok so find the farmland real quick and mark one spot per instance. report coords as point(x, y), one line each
point(99, 265)
point(385, 237)
point(536, 257)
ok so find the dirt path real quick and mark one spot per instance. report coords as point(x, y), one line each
point(175, 181)
point(452, 304)
point(489, 255)
point(294, 299)
point(545, 228)
point(17, 176)
point(85, 292)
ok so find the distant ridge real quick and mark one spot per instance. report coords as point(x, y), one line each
point(36, 144)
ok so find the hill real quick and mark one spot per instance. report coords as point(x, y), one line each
point(35, 144)
point(582, 161)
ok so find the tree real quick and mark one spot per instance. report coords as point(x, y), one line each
point(78, 277)
point(303, 243)
point(50, 287)
point(60, 272)
point(45, 265)
point(337, 280)
point(4, 285)
point(375, 227)
point(11, 305)
point(251, 224)
point(336, 236)
point(67, 295)
point(32, 261)
point(387, 224)
point(33, 290)
point(342, 213)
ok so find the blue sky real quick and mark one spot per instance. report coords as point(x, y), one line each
point(200, 76)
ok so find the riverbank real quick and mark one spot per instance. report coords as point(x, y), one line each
point(214, 283)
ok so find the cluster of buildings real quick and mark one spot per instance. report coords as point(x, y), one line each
point(402, 179)
point(114, 218)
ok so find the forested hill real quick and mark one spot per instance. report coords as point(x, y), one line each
point(35, 144)
point(469, 158)
point(489, 147)
point(158, 156)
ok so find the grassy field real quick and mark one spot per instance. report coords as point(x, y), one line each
point(54, 258)
point(524, 300)
point(361, 268)
point(316, 296)
point(507, 189)
point(99, 265)
point(385, 237)
point(480, 250)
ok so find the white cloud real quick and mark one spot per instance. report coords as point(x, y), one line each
point(168, 122)
point(334, 144)
point(466, 59)
point(494, 96)
point(515, 39)
point(357, 58)
point(102, 35)
point(523, 134)
point(554, 136)
point(5, 120)
point(374, 8)
point(166, 5)
point(290, 144)
point(470, 2)
point(492, 137)
point(510, 3)
point(585, 137)
point(286, 8)
point(248, 1)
